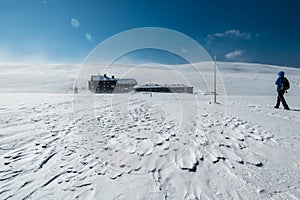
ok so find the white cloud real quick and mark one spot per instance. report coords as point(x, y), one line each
point(183, 50)
point(230, 34)
point(234, 55)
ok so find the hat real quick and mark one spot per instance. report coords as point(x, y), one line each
point(281, 74)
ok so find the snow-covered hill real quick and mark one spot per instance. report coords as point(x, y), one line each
point(56, 145)
point(54, 78)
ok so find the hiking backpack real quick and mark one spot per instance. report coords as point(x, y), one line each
point(285, 83)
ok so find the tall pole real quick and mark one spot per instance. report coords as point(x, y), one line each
point(150, 89)
point(215, 79)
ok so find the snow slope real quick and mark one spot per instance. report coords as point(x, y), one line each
point(163, 146)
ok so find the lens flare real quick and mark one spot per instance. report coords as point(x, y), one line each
point(75, 23)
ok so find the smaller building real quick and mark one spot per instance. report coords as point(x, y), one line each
point(105, 84)
point(167, 88)
point(125, 85)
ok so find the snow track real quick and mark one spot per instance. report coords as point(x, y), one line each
point(143, 151)
point(168, 146)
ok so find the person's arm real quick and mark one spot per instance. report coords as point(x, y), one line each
point(277, 82)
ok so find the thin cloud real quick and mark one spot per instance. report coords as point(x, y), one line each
point(183, 50)
point(230, 34)
point(234, 55)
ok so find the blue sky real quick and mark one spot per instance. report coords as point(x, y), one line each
point(67, 30)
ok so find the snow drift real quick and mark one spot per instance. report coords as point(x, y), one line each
point(59, 145)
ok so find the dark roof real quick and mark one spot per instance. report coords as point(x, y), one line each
point(119, 80)
point(155, 85)
point(100, 77)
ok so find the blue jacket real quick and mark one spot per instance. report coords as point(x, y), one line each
point(279, 80)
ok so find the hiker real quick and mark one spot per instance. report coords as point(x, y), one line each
point(282, 85)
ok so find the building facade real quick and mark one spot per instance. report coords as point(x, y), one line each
point(105, 84)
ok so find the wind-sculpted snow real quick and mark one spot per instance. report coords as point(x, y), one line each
point(137, 146)
point(140, 152)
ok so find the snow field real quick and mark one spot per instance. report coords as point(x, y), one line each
point(168, 146)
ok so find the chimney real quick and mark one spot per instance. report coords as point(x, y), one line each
point(113, 77)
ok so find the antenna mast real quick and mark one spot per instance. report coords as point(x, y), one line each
point(215, 79)
point(150, 89)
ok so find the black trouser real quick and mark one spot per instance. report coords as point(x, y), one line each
point(280, 98)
